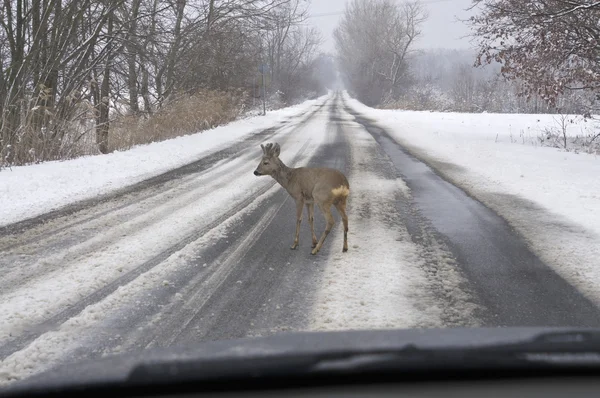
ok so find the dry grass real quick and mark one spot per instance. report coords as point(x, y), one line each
point(63, 139)
point(186, 115)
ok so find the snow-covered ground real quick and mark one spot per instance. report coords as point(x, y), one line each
point(54, 274)
point(383, 281)
point(538, 189)
point(28, 191)
point(47, 283)
point(552, 197)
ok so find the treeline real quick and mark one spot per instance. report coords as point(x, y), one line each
point(532, 57)
point(374, 41)
point(446, 80)
point(72, 72)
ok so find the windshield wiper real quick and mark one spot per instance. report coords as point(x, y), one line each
point(547, 350)
point(328, 358)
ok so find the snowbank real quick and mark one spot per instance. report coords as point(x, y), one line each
point(28, 191)
point(550, 196)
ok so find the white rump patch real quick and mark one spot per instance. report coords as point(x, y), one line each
point(340, 191)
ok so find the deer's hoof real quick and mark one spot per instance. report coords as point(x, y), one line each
point(345, 249)
point(315, 251)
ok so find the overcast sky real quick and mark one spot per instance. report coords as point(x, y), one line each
point(440, 31)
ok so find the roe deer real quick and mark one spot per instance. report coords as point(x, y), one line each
point(309, 185)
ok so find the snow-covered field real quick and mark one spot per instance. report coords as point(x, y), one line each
point(28, 191)
point(552, 197)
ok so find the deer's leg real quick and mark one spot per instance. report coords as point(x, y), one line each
point(310, 209)
point(341, 208)
point(299, 207)
point(326, 209)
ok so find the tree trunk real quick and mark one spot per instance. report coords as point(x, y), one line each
point(145, 91)
point(102, 123)
point(14, 27)
point(132, 78)
point(174, 50)
point(210, 16)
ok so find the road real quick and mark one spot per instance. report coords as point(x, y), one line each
point(184, 257)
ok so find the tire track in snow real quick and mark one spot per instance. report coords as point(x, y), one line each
point(115, 227)
point(19, 338)
point(199, 292)
point(387, 279)
point(31, 258)
point(70, 281)
point(511, 286)
point(103, 232)
point(69, 216)
point(52, 323)
point(133, 204)
point(55, 345)
point(41, 227)
point(78, 337)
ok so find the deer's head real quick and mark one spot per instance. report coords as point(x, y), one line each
point(269, 164)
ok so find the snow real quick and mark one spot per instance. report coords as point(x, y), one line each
point(28, 191)
point(550, 196)
point(52, 347)
point(127, 247)
point(124, 246)
point(381, 281)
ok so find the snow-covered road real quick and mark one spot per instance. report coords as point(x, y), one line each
point(202, 253)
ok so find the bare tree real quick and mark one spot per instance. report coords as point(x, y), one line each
point(51, 49)
point(447, 80)
point(131, 15)
point(69, 68)
point(373, 41)
point(463, 88)
point(404, 31)
point(550, 46)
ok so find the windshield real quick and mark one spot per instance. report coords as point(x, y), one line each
point(177, 172)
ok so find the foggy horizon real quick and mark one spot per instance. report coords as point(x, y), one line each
point(443, 29)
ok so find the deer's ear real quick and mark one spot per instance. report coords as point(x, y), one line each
point(276, 150)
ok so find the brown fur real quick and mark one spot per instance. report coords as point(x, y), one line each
point(309, 185)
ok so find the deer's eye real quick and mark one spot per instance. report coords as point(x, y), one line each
point(265, 162)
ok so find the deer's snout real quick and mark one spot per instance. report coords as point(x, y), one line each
point(256, 173)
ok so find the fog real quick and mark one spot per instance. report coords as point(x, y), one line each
point(441, 30)
point(420, 56)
